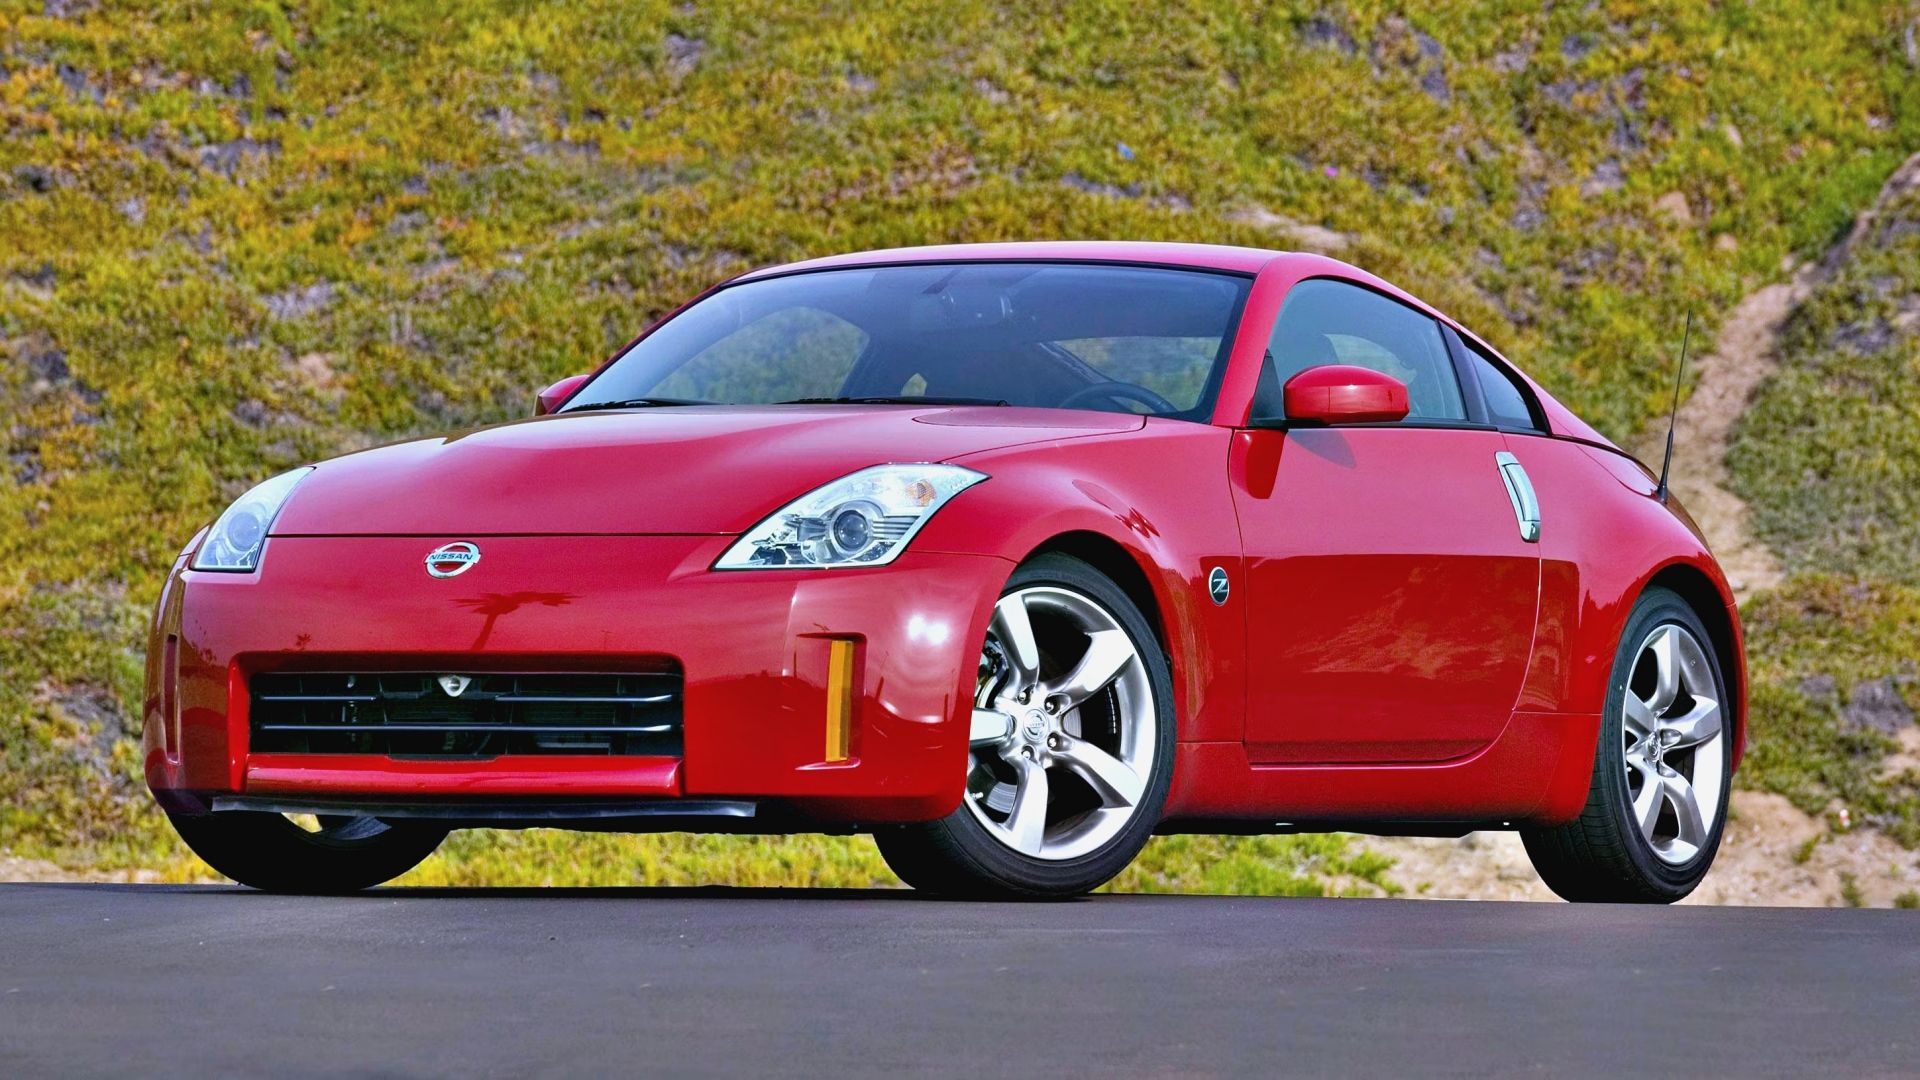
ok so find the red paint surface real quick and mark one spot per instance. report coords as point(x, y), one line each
point(1401, 596)
point(663, 472)
point(1343, 394)
point(550, 399)
point(353, 774)
point(1391, 650)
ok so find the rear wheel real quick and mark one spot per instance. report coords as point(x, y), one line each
point(329, 854)
point(1658, 801)
point(1071, 745)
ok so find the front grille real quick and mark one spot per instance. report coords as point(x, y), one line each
point(414, 715)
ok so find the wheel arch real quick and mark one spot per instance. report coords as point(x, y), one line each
point(1139, 510)
point(1136, 573)
point(1120, 565)
point(1717, 613)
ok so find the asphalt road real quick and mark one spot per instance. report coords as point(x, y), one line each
point(165, 981)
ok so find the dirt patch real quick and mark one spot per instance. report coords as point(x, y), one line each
point(1478, 866)
point(1729, 375)
point(1300, 234)
point(1772, 855)
point(1746, 352)
point(1907, 757)
point(1777, 856)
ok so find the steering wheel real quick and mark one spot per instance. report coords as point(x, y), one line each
point(1118, 391)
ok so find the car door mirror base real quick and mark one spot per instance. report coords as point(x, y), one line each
point(554, 396)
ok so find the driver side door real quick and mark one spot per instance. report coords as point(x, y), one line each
point(1392, 594)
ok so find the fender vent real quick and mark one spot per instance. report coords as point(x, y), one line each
point(466, 716)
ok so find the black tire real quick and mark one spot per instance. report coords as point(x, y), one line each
point(270, 853)
point(956, 856)
point(1602, 856)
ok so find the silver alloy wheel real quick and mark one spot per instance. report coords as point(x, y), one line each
point(1671, 743)
point(1064, 721)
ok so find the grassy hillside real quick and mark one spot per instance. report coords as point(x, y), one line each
point(1829, 458)
point(239, 236)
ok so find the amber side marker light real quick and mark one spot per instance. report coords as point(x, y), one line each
point(839, 700)
point(170, 697)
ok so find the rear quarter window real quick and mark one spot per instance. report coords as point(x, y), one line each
point(1509, 404)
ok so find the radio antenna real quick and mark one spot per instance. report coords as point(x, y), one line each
point(1666, 464)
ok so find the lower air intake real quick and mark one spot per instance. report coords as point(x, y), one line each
point(466, 716)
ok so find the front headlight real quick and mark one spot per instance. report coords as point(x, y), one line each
point(233, 544)
point(864, 519)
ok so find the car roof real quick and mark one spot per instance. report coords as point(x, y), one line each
point(1224, 257)
point(1243, 260)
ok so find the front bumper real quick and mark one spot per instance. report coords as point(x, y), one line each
point(753, 646)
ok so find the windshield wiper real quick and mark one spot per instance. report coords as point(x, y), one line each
point(902, 399)
point(641, 403)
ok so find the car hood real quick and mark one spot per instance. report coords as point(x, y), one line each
point(700, 469)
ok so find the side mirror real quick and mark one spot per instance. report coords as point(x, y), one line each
point(1344, 394)
point(556, 395)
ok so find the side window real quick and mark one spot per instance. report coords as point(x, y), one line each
point(1332, 322)
point(1508, 405)
point(789, 353)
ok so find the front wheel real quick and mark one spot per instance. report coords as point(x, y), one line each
point(1661, 773)
point(330, 854)
point(1071, 745)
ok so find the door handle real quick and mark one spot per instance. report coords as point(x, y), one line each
point(1526, 507)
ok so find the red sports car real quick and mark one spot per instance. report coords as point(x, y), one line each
point(1011, 555)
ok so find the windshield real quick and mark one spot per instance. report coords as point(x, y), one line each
point(1114, 338)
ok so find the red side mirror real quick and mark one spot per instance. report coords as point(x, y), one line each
point(1343, 394)
point(556, 395)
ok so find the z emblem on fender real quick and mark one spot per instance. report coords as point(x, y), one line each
point(1217, 585)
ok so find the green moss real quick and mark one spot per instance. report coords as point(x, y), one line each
point(242, 236)
point(1850, 891)
point(546, 857)
point(1829, 454)
point(1268, 865)
point(1814, 643)
point(1804, 853)
point(1304, 865)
